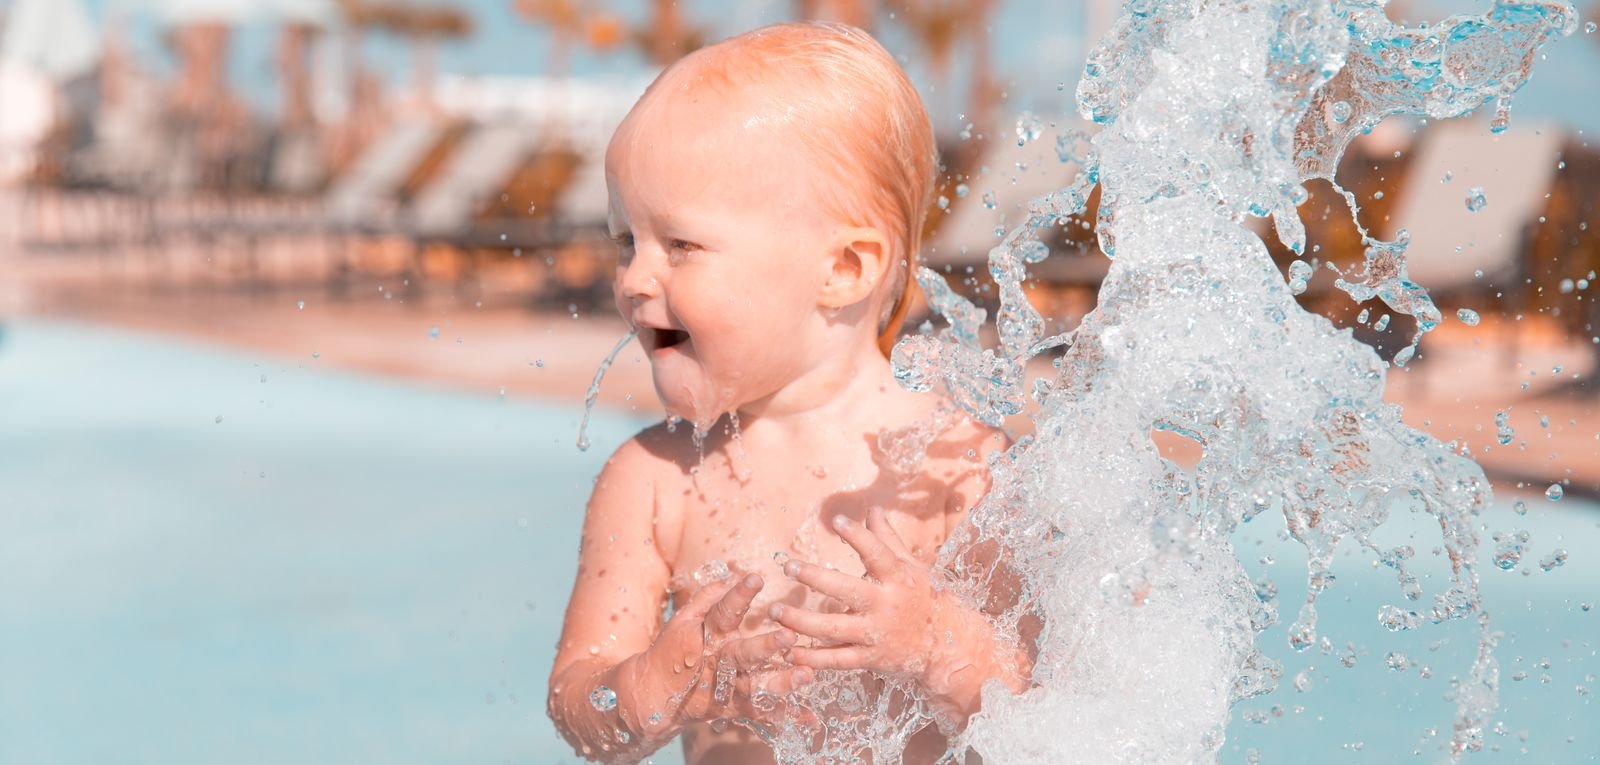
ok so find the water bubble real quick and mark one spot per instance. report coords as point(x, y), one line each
point(219, 419)
point(603, 699)
point(1397, 661)
point(1476, 200)
point(1556, 559)
point(944, 202)
point(316, 354)
point(1519, 507)
point(1448, 177)
point(1467, 316)
point(433, 332)
point(1339, 111)
point(1588, 28)
point(989, 200)
point(1555, 492)
point(962, 190)
point(1383, 323)
point(300, 305)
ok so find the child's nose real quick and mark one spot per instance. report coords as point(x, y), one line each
point(638, 281)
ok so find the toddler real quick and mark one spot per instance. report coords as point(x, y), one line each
point(767, 197)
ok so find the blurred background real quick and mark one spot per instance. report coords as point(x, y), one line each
point(300, 301)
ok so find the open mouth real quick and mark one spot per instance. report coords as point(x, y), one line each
point(657, 339)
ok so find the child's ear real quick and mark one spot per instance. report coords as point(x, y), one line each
point(858, 261)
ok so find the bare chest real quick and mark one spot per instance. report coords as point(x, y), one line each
point(758, 523)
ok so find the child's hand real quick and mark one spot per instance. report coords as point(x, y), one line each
point(895, 613)
point(715, 672)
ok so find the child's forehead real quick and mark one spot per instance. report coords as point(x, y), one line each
point(690, 135)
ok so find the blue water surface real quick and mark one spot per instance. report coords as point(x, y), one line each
point(211, 555)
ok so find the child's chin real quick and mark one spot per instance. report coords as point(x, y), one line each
point(681, 402)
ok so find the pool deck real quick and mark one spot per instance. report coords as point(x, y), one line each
point(1465, 377)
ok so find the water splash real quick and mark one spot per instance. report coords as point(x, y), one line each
point(1212, 113)
point(593, 395)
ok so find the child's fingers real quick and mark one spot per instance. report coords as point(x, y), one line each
point(727, 612)
point(837, 628)
point(701, 602)
point(758, 651)
point(878, 524)
point(842, 657)
point(849, 590)
point(877, 556)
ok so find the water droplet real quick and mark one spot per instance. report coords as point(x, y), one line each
point(300, 305)
point(989, 200)
point(603, 699)
point(1555, 492)
point(1396, 619)
point(433, 332)
point(1299, 276)
point(1476, 200)
point(1507, 555)
point(1448, 176)
point(962, 190)
point(1554, 560)
point(1397, 661)
point(1339, 111)
point(219, 419)
point(1302, 680)
point(1028, 128)
point(539, 363)
point(1519, 507)
point(1589, 28)
point(316, 354)
point(1504, 433)
point(1383, 323)
point(1468, 316)
point(944, 202)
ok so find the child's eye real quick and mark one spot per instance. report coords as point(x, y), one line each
point(685, 245)
point(624, 243)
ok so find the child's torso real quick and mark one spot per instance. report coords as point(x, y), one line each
point(753, 511)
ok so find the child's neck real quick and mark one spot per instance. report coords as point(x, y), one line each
point(843, 389)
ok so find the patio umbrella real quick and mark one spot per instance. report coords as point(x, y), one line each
point(54, 38)
point(317, 12)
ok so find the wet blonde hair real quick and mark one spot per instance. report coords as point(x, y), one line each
point(856, 111)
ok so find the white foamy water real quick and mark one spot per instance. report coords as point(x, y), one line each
point(1211, 113)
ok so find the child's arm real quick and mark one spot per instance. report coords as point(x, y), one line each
point(623, 683)
point(899, 624)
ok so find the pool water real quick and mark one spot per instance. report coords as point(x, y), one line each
point(341, 568)
point(345, 568)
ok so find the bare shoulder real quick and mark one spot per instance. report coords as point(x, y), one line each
point(655, 455)
point(959, 458)
point(964, 446)
point(639, 483)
